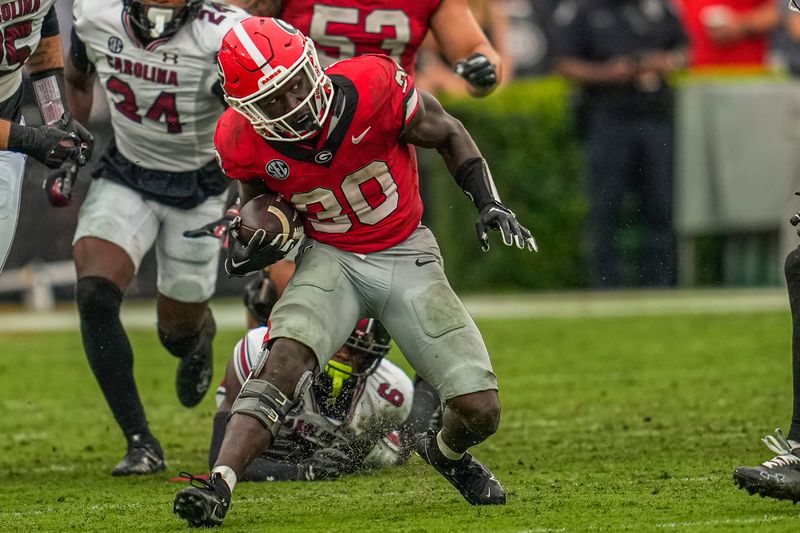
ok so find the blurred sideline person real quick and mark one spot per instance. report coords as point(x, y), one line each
point(620, 53)
point(779, 477)
point(347, 419)
point(31, 38)
point(341, 29)
point(729, 32)
point(157, 179)
point(789, 36)
point(342, 140)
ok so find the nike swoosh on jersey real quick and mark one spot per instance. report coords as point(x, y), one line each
point(420, 262)
point(358, 139)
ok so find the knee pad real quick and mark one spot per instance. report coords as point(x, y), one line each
point(97, 295)
point(266, 403)
point(197, 342)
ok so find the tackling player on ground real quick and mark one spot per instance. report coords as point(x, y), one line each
point(338, 145)
point(347, 419)
point(30, 36)
point(159, 178)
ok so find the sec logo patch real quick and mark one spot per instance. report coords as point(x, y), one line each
point(114, 44)
point(277, 169)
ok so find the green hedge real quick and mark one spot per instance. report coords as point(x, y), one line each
point(524, 131)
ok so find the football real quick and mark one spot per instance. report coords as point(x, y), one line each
point(277, 217)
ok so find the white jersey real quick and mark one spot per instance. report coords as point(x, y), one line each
point(160, 95)
point(20, 33)
point(380, 403)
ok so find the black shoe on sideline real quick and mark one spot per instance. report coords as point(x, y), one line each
point(777, 478)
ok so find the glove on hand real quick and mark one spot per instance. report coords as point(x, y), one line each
point(495, 216)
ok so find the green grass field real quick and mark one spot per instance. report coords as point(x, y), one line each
point(609, 424)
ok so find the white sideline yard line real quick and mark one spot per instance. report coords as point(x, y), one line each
point(229, 313)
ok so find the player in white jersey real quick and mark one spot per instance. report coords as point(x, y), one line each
point(158, 178)
point(348, 418)
point(29, 33)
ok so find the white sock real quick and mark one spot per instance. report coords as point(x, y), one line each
point(446, 450)
point(227, 474)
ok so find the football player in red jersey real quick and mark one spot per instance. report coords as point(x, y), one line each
point(338, 145)
point(342, 29)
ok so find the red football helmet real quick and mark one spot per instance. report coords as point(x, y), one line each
point(260, 55)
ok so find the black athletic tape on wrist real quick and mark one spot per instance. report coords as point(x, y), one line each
point(21, 138)
point(48, 86)
point(475, 179)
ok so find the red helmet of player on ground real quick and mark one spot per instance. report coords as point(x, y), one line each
point(263, 58)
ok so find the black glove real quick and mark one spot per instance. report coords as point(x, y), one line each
point(51, 146)
point(58, 184)
point(258, 253)
point(69, 124)
point(478, 71)
point(495, 216)
point(217, 228)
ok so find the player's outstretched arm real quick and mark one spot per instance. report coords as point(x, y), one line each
point(51, 146)
point(433, 127)
point(466, 46)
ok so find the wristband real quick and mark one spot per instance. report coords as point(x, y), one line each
point(48, 86)
point(476, 181)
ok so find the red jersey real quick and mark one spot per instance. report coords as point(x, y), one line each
point(705, 52)
point(358, 185)
point(342, 29)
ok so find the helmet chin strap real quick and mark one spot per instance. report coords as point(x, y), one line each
point(339, 373)
point(159, 17)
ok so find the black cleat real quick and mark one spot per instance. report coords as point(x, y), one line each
point(193, 378)
point(777, 478)
point(205, 503)
point(473, 480)
point(142, 458)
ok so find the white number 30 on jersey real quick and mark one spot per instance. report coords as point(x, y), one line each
point(330, 218)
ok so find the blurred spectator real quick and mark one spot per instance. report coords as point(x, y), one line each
point(619, 52)
point(729, 32)
point(529, 28)
point(787, 39)
point(434, 73)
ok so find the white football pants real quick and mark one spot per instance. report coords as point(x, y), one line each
point(12, 170)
